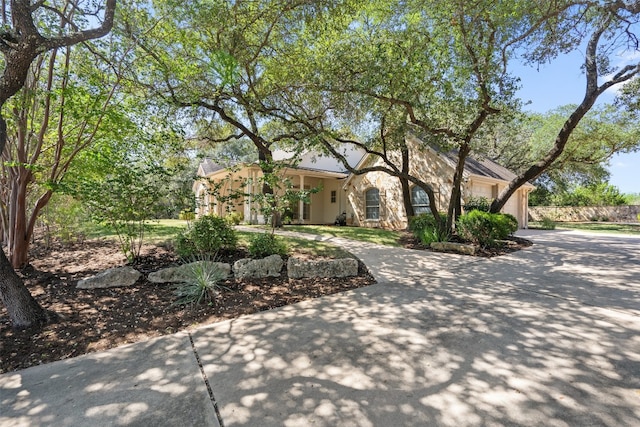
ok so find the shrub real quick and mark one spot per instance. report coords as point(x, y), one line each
point(547, 223)
point(187, 215)
point(207, 235)
point(234, 218)
point(477, 203)
point(507, 224)
point(265, 244)
point(202, 283)
point(485, 228)
point(425, 221)
point(425, 227)
point(431, 235)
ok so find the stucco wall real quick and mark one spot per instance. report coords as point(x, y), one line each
point(247, 181)
point(583, 214)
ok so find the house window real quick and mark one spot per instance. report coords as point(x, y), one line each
point(333, 196)
point(306, 211)
point(372, 204)
point(419, 201)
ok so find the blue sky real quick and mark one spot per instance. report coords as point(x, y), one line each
point(562, 82)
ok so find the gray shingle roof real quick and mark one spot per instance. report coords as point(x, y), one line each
point(209, 166)
point(488, 168)
point(481, 167)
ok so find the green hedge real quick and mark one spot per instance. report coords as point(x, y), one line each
point(208, 235)
point(483, 228)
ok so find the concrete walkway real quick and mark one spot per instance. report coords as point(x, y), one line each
point(547, 336)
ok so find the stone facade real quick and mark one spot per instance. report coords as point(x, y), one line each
point(437, 171)
point(341, 192)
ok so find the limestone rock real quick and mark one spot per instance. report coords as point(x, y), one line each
point(181, 273)
point(460, 248)
point(297, 268)
point(258, 268)
point(111, 278)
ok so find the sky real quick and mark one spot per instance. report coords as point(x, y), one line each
point(562, 82)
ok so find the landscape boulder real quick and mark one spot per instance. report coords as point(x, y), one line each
point(258, 268)
point(111, 278)
point(298, 268)
point(460, 248)
point(181, 273)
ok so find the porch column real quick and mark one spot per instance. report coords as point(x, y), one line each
point(248, 198)
point(301, 203)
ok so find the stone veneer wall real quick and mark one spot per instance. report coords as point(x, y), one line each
point(392, 214)
point(586, 213)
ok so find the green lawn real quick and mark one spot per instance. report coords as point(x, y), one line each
point(157, 232)
point(302, 246)
point(371, 235)
point(166, 230)
point(604, 227)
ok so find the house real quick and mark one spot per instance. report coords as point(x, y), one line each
point(373, 199)
point(310, 170)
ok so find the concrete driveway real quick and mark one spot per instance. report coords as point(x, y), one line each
point(547, 336)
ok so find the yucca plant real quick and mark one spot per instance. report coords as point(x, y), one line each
point(202, 282)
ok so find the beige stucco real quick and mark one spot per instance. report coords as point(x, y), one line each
point(246, 181)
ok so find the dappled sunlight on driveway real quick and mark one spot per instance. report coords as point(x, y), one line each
point(546, 336)
point(151, 383)
point(437, 351)
point(445, 340)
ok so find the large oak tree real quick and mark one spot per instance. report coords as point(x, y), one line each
point(448, 66)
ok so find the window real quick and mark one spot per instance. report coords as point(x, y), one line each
point(419, 200)
point(306, 211)
point(333, 196)
point(372, 204)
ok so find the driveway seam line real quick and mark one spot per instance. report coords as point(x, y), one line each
point(206, 381)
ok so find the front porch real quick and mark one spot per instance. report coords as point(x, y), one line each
point(235, 191)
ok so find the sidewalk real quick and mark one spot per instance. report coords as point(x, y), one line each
point(545, 336)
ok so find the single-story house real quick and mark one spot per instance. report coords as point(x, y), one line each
point(373, 199)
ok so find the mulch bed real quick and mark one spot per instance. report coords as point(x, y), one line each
point(511, 244)
point(99, 319)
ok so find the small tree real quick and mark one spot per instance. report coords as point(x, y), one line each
point(126, 201)
point(276, 204)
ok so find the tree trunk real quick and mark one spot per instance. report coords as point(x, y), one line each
point(454, 211)
point(19, 241)
point(265, 159)
point(404, 183)
point(406, 199)
point(24, 311)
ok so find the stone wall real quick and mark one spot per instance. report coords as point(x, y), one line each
point(424, 162)
point(584, 214)
point(436, 171)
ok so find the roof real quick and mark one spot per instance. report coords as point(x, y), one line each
point(482, 167)
point(479, 167)
point(307, 160)
point(317, 161)
point(209, 166)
